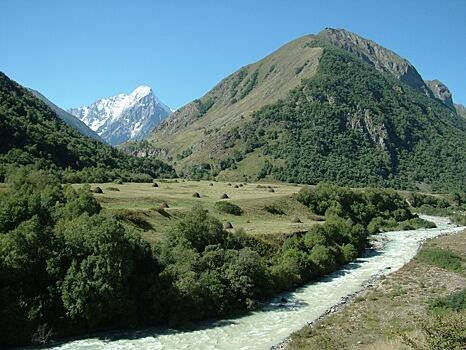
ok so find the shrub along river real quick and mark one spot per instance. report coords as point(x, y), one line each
point(276, 320)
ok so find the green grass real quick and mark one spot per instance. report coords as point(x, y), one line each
point(442, 258)
point(455, 302)
point(137, 202)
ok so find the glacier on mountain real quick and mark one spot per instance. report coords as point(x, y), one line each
point(124, 117)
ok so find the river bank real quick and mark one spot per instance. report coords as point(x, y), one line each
point(392, 306)
point(274, 322)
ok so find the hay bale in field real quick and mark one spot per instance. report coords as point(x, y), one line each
point(271, 189)
point(296, 220)
point(155, 184)
point(211, 184)
point(240, 185)
point(236, 186)
point(229, 184)
point(97, 190)
point(224, 196)
point(118, 181)
point(196, 195)
point(227, 225)
point(163, 212)
point(164, 205)
point(112, 189)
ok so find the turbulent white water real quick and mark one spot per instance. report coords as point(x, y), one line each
point(270, 325)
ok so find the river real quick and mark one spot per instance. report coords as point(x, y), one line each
point(274, 322)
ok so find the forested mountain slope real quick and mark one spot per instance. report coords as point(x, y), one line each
point(32, 133)
point(332, 106)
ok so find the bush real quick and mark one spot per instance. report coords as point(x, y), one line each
point(458, 219)
point(444, 259)
point(229, 208)
point(274, 210)
point(440, 332)
point(418, 200)
point(455, 302)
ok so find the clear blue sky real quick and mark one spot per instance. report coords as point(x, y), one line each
point(75, 51)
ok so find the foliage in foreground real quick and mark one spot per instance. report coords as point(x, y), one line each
point(440, 332)
point(69, 268)
point(65, 267)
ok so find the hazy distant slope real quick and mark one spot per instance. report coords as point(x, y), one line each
point(68, 118)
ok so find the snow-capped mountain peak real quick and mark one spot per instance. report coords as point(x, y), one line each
point(124, 117)
point(142, 91)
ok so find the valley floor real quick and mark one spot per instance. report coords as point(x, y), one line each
point(142, 201)
point(393, 306)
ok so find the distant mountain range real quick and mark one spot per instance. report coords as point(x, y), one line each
point(327, 107)
point(124, 117)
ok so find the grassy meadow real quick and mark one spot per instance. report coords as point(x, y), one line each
point(141, 203)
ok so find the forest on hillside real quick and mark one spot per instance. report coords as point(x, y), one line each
point(32, 134)
point(355, 126)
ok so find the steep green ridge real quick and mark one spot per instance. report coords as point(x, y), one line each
point(202, 125)
point(353, 118)
point(354, 125)
point(68, 118)
point(31, 133)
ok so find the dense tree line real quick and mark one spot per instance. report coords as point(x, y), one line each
point(64, 266)
point(67, 267)
point(375, 209)
point(31, 133)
